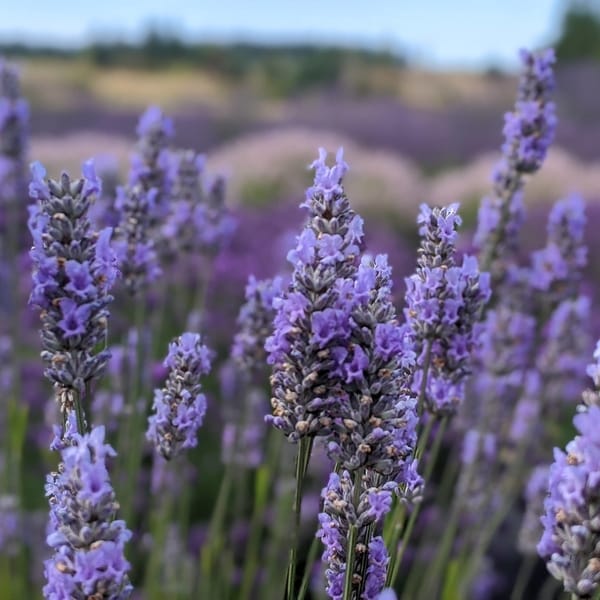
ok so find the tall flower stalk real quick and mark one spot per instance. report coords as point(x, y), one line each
point(311, 322)
point(74, 270)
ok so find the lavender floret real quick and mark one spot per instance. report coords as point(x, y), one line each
point(255, 323)
point(529, 131)
point(376, 423)
point(134, 245)
point(179, 408)
point(87, 539)
point(556, 269)
point(339, 514)
point(74, 269)
point(311, 318)
point(198, 220)
point(444, 302)
point(571, 539)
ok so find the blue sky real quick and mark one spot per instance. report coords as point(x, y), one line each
point(440, 33)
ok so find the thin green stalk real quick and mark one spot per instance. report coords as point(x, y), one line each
point(310, 561)
point(549, 589)
point(523, 577)
point(423, 389)
point(262, 486)
point(352, 537)
point(159, 525)
point(214, 542)
point(302, 460)
point(512, 490)
point(133, 428)
point(398, 556)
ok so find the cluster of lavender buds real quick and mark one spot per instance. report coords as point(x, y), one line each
point(343, 517)
point(444, 302)
point(179, 408)
point(74, 269)
point(255, 323)
point(145, 201)
point(571, 539)
point(563, 356)
point(152, 164)
point(198, 220)
point(528, 133)
point(14, 121)
point(87, 540)
point(134, 247)
point(312, 319)
point(556, 269)
point(375, 427)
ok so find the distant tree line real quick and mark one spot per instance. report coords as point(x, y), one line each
point(579, 38)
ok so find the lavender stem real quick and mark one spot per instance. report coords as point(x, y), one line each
point(302, 460)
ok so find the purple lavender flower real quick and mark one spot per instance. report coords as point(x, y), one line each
point(134, 246)
point(563, 356)
point(444, 302)
point(74, 270)
point(312, 318)
point(528, 132)
point(375, 426)
point(556, 269)
point(199, 221)
point(255, 323)
point(571, 536)
point(152, 164)
point(87, 540)
point(179, 408)
point(338, 516)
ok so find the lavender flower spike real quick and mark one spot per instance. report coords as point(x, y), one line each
point(444, 302)
point(255, 323)
point(311, 318)
point(179, 408)
point(87, 540)
point(74, 269)
point(338, 516)
point(571, 539)
point(528, 133)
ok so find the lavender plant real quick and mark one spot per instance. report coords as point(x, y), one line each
point(74, 270)
point(179, 408)
point(86, 538)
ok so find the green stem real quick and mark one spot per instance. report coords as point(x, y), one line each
point(262, 485)
point(511, 491)
point(214, 542)
point(310, 561)
point(352, 538)
point(302, 460)
point(421, 403)
point(523, 577)
point(439, 436)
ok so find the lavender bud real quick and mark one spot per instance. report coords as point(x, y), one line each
point(74, 269)
point(179, 408)
point(311, 318)
point(255, 323)
point(133, 244)
point(444, 302)
point(528, 132)
point(87, 540)
point(338, 516)
point(571, 539)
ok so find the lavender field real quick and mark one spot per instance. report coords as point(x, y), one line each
point(331, 342)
